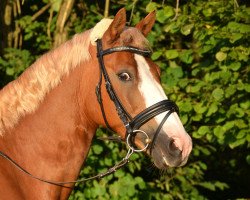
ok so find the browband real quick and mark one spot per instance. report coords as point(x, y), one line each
point(146, 53)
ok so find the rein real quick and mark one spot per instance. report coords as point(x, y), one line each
point(132, 125)
point(111, 170)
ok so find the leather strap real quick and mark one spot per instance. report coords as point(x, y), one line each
point(131, 49)
point(152, 111)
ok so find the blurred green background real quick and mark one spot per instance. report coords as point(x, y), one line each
point(202, 48)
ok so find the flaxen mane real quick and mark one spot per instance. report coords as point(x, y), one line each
point(24, 95)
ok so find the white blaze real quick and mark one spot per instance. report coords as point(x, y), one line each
point(152, 92)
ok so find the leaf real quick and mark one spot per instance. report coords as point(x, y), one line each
point(247, 88)
point(171, 28)
point(140, 182)
point(203, 165)
point(196, 135)
point(186, 29)
point(97, 149)
point(245, 104)
point(229, 125)
point(248, 159)
point(186, 106)
point(221, 185)
point(240, 85)
point(119, 173)
point(151, 7)
point(225, 76)
point(197, 117)
point(235, 37)
point(219, 132)
point(10, 71)
point(56, 4)
point(220, 56)
point(241, 134)
point(218, 93)
point(108, 161)
point(207, 12)
point(171, 54)
point(173, 75)
point(160, 16)
point(156, 55)
point(186, 56)
point(184, 119)
point(239, 27)
point(193, 89)
point(183, 83)
point(208, 185)
point(206, 48)
point(200, 108)
point(212, 109)
point(239, 112)
point(230, 90)
point(237, 143)
point(203, 130)
point(209, 137)
point(169, 11)
point(240, 123)
point(165, 13)
point(177, 72)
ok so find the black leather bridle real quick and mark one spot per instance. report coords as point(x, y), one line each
point(132, 125)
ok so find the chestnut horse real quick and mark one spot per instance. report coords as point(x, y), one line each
point(49, 115)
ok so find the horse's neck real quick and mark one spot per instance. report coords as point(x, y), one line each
point(53, 142)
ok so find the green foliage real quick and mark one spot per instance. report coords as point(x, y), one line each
point(204, 58)
point(15, 61)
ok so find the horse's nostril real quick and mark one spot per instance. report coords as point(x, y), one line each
point(172, 146)
point(173, 149)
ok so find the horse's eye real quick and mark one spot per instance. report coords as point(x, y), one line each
point(124, 76)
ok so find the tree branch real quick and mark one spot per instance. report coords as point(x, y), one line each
point(64, 12)
point(40, 12)
point(176, 11)
point(106, 11)
point(49, 22)
point(132, 11)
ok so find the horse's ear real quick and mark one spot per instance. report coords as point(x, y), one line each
point(117, 26)
point(146, 24)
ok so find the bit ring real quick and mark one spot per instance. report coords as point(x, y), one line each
point(147, 141)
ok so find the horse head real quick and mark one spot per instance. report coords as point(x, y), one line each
point(135, 80)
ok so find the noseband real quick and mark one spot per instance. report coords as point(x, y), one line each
point(132, 125)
